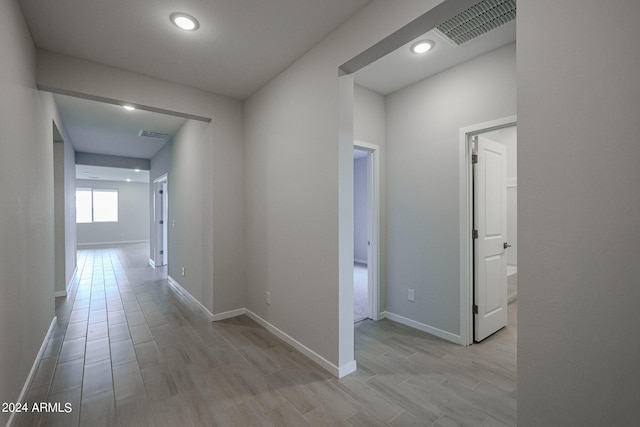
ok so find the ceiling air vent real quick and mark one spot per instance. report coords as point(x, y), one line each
point(478, 20)
point(152, 134)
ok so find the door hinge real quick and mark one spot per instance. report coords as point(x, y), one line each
point(474, 234)
point(161, 252)
point(474, 158)
point(161, 222)
point(475, 309)
point(160, 191)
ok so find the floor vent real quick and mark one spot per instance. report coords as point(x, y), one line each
point(152, 134)
point(478, 20)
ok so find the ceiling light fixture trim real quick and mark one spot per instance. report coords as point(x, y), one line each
point(422, 46)
point(184, 21)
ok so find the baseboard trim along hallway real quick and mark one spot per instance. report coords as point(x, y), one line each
point(34, 367)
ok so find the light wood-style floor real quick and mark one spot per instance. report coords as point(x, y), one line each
point(129, 350)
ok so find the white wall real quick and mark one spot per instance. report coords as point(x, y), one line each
point(27, 228)
point(293, 234)
point(579, 212)
point(209, 219)
point(133, 215)
point(423, 123)
point(360, 210)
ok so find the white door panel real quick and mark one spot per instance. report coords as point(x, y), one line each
point(490, 218)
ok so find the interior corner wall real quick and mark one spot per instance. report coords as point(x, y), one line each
point(293, 190)
point(133, 217)
point(423, 235)
point(578, 213)
point(27, 227)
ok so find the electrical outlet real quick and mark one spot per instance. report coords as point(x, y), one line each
point(268, 297)
point(182, 271)
point(412, 295)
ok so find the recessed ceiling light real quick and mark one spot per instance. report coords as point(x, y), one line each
point(422, 46)
point(128, 179)
point(129, 107)
point(136, 170)
point(184, 21)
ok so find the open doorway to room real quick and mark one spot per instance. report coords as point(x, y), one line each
point(365, 232)
point(490, 265)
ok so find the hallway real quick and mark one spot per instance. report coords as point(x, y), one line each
point(130, 350)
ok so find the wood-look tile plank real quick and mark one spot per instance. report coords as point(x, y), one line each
point(140, 333)
point(128, 382)
point(68, 375)
point(98, 410)
point(135, 411)
point(97, 350)
point(370, 399)
point(294, 390)
point(97, 378)
point(69, 402)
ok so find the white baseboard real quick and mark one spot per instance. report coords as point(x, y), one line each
point(58, 294)
point(34, 367)
point(422, 327)
point(73, 276)
point(186, 293)
point(152, 263)
point(121, 242)
point(229, 314)
point(339, 372)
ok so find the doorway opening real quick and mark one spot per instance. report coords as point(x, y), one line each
point(160, 219)
point(489, 224)
point(366, 232)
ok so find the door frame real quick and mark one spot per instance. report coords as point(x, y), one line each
point(373, 224)
point(466, 219)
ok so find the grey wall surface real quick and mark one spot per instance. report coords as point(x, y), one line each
point(360, 210)
point(133, 215)
point(423, 235)
point(579, 213)
point(27, 267)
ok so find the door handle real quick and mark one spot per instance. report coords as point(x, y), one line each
point(506, 245)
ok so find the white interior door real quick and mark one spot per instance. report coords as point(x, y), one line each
point(490, 221)
point(165, 225)
point(160, 223)
point(157, 223)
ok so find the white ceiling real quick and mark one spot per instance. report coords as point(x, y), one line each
point(95, 127)
point(240, 45)
point(401, 67)
point(101, 173)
